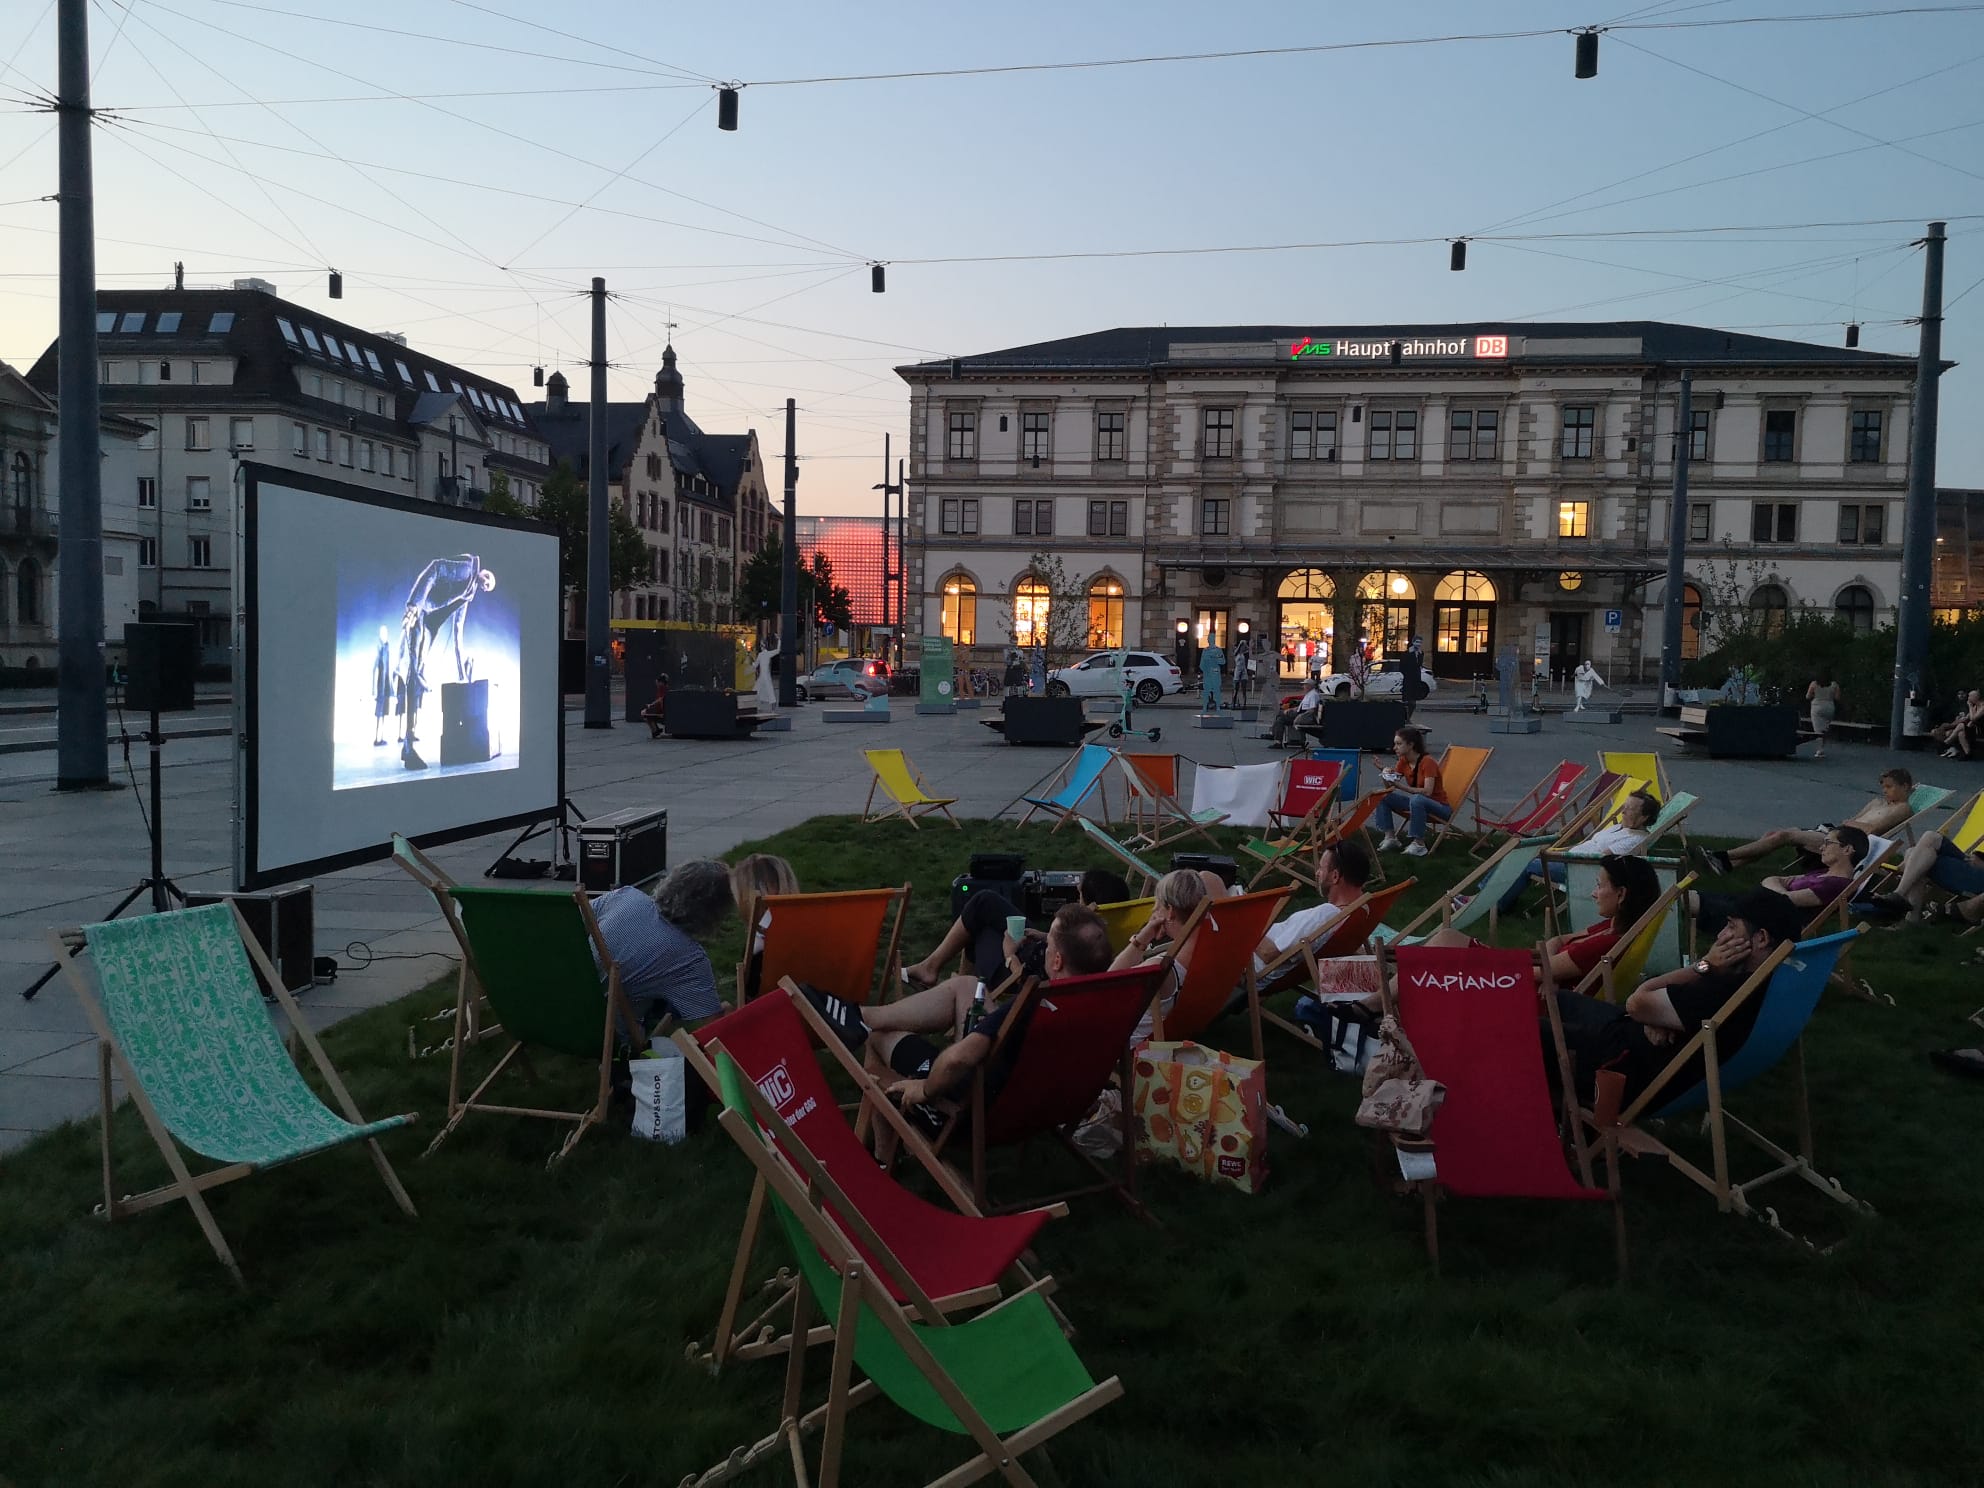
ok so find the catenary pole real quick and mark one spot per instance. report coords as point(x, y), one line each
point(82, 751)
point(1918, 534)
point(888, 569)
point(902, 567)
point(788, 578)
point(599, 537)
point(1677, 542)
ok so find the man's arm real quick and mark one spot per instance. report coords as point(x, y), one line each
point(950, 1071)
point(1777, 883)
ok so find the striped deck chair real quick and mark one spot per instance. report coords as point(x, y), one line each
point(1146, 876)
point(1299, 966)
point(1538, 812)
point(1460, 776)
point(848, 943)
point(1150, 781)
point(939, 1257)
point(906, 794)
point(1227, 934)
point(1470, 1014)
point(1007, 1379)
point(1081, 777)
point(1788, 987)
point(1308, 794)
point(179, 1017)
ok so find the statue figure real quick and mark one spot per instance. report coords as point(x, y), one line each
point(767, 690)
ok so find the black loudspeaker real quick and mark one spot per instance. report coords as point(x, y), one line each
point(283, 922)
point(465, 722)
point(160, 662)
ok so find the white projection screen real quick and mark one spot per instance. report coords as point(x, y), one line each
point(398, 673)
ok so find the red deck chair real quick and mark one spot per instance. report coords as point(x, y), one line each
point(1223, 945)
point(1471, 1015)
point(1354, 823)
point(829, 941)
point(1536, 813)
point(1300, 965)
point(933, 1258)
point(1308, 797)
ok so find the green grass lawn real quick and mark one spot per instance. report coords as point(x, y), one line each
point(529, 1328)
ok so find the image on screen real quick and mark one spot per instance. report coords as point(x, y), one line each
point(427, 670)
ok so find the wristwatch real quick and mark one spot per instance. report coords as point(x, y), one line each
point(1702, 968)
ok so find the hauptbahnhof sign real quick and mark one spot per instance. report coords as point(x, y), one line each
point(1444, 347)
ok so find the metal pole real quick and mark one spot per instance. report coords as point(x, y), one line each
point(902, 567)
point(1677, 542)
point(1918, 540)
point(599, 680)
point(82, 758)
point(788, 578)
point(888, 572)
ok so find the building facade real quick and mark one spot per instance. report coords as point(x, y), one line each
point(218, 375)
point(1957, 583)
point(1482, 486)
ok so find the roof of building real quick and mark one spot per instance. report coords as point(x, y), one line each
point(1627, 342)
point(718, 458)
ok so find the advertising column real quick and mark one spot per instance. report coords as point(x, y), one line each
point(937, 692)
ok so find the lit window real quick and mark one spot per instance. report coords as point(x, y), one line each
point(1032, 605)
point(1573, 519)
point(960, 620)
point(1105, 614)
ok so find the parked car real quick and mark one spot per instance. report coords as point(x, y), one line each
point(1100, 674)
point(1385, 681)
point(851, 676)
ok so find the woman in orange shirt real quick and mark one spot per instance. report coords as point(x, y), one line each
point(1416, 793)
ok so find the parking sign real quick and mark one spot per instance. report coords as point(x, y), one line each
point(1613, 620)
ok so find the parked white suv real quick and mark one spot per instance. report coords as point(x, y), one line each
point(1100, 674)
point(1385, 680)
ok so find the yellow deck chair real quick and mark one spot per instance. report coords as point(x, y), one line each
point(1641, 769)
point(1460, 774)
point(1124, 919)
point(907, 795)
point(1965, 828)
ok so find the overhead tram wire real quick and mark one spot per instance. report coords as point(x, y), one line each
point(618, 47)
point(506, 93)
point(1688, 282)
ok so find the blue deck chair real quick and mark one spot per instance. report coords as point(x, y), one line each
point(1119, 852)
point(1790, 985)
point(1081, 778)
point(1347, 791)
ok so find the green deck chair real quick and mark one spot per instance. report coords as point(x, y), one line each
point(177, 1013)
point(1007, 1378)
point(531, 955)
point(1485, 885)
point(1578, 913)
point(1673, 812)
point(1120, 853)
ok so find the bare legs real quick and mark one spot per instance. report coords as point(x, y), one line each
point(1916, 868)
point(1771, 842)
point(938, 1009)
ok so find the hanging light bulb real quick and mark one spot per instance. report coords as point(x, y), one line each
point(337, 285)
point(537, 376)
point(726, 108)
point(1457, 255)
point(877, 280)
point(1587, 54)
point(1853, 334)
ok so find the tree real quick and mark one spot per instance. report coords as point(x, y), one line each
point(759, 588)
point(1065, 631)
point(562, 505)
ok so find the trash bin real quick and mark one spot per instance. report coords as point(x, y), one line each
point(1915, 716)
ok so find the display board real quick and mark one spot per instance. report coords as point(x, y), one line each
point(397, 672)
point(937, 679)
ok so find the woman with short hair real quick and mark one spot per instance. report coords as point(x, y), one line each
point(653, 941)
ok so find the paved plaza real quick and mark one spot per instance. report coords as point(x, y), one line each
point(66, 859)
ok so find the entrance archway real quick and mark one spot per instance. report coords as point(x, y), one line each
point(1305, 624)
point(1463, 623)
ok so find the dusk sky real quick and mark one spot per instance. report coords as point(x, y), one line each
point(458, 162)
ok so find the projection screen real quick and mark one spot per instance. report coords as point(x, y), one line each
point(397, 672)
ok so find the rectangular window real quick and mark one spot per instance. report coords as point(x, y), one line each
point(241, 433)
point(1119, 519)
point(405, 376)
point(1043, 519)
point(433, 382)
point(706, 527)
point(1379, 441)
point(1580, 431)
point(344, 449)
point(968, 516)
point(660, 515)
point(199, 493)
point(324, 444)
point(1862, 524)
point(1216, 433)
point(364, 454)
point(372, 361)
point(148, 552)
point(962, 442)
point(1774, 521)
point(147, 493)
point(385, 459)
point(165, 371)
point(223, 322)
point(168, 322)
point(1098, 519)
point(198, 436)
point(1865, 447)
point(1023, 519)
point(106, 322)
point(1574, 519)
point(661, 565)
point(149, 439)
point(948, 523)
point(1108, 436)
point(310, 340)
point(133, 321)
point(299, 439)
point(288, 330)
point(1698, 520)
point(1033, 436)
point(1312, 434)
point(331, 345)
point(1780, 434)
point(1698, 433)
point(1472, 434)
point(1215, 516)
point(723, 532)
point(199, 552)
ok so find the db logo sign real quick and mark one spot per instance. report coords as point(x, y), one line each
point(1491, 346)
point(777, 1086)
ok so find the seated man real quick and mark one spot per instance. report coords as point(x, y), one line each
point(1878, 818)
point(1342, 871)
point(1939, 861)
point(1639, 1039)
point(1308, 710)
point(1840, 856)
point(980, 928)
point(1620, 839)
point(656, 712)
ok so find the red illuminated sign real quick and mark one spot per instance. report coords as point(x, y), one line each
point(1491, 346)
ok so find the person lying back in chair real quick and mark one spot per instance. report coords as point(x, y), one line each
point(980, 929)
point(1614, 839)
point(1878, 818)
point(1840, 854)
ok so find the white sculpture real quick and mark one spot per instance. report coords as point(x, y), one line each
point(767, 689)
point(1583, 680)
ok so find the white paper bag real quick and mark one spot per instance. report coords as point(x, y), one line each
point(660, 1094)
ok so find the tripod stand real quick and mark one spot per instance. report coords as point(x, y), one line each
point(163, 890)
point(562, 865)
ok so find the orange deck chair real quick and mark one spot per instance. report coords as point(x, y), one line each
point(834, 942)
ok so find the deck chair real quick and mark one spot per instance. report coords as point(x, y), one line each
point(1673, 812)
point(1471, 1017)
point(179, 1018)
point(1227, 934)
point(838, 942)
point(1835, 915)
point(1537, 812)
point(432, 877)
point(1460, 776)
point(1789, 985)
point(907, 796)
point(1352, 761)
point(1356, 822)
point(532, 955)
point(1922, 800)
point(1601, 790)
point(1008, 1379)
point(1081, 777)
point(1308, 794)
point(1643, 766)
point(1651, 940)
point(1146, 876)
point(1300, 965)
point(1124, 919)
point(1578, 913)
point(1150, 784)
point(1485, 885)
point(937, 1258)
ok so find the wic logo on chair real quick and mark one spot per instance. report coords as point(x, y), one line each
point(777, 1087)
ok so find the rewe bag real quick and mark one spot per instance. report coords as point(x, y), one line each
point(1204, 1110)
point(1398, 1098)
point(661, 1101)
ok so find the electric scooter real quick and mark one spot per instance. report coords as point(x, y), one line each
point(1126, 716)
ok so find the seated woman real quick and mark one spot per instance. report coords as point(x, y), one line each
point(1839, 856)
point(1626, 888)
point(1414, 791)
point(980, 928)
point(751, 879)
point(653, 941)
point(1178, 894)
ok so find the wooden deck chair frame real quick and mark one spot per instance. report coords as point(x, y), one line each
point(859, 1287)
point(1147, 875)
point(887, 948)
point(1157, 816)
point(186, 1184)
point(1065, 774)
point(896, 806)
point(1210, 908)
point(1300, 842)
point(618, 1014)
point(1443, 907)
point(1457, 801)
point(432, 877)
point(1528, 817)
point(1318, 948)
point(1618, 970)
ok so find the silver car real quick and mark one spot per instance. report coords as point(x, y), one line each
point(1385, 681)
point(1101, 674)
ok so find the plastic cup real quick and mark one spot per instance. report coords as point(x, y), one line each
point(1016, 928)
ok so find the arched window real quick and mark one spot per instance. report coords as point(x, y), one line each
point(1305, 624)
point(1031, 603)
point(1105, 614)
point(23, 479)
point(961, 610)
point(27, 593)
point(1771, 607)
point(1691, 622)
point(1855, 605)
point(1386, 585)
point(1384, 612)
point(1307, 583)
point(1464, 619)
